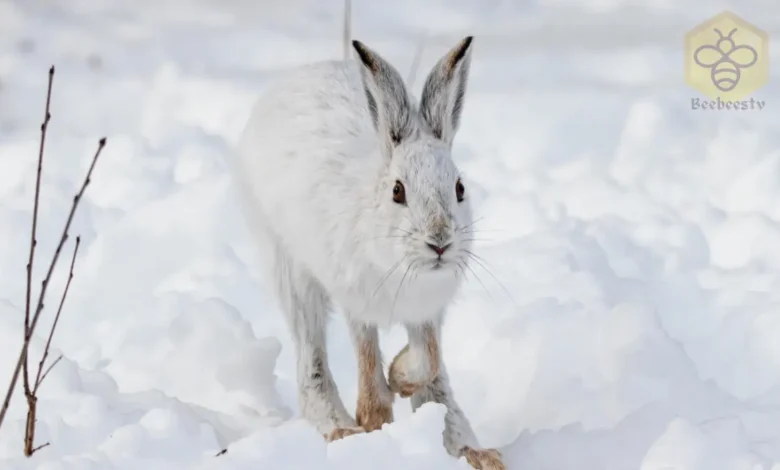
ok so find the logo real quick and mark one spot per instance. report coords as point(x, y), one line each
point(726, 59)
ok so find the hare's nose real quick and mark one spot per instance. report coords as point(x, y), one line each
point(439, 249)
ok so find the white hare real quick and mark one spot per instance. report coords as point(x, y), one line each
point(352, 193)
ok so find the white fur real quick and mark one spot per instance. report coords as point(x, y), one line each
point(316, 170)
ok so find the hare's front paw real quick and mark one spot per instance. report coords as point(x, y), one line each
point(409, 371)
point(483, 459)
point(340, 433)
point(372, 414)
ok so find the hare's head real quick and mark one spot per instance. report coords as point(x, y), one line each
point(422, 199)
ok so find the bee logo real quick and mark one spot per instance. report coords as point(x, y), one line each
point(725, 60)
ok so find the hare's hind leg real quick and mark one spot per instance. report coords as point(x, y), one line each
point(375, 400)
point(419, 367)
point(306, 306)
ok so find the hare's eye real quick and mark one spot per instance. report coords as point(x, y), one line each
point(399, 193)
point(459, 190)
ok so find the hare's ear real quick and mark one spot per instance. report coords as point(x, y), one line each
point(442, 96)
point(388, 101)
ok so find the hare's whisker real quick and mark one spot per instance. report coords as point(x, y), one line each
point(484, 287)
point(384, 279)
point(461, 229)
point(398, 291)
point(482, 262)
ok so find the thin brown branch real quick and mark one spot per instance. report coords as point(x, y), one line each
point(33, 240)
point(22, 362)
point(347, 28)
point(31, 398)
point(48, 369)
point(40, 447)
point(11, 386)
point(29, 430)
point(30, 325)
point(64, 236)
point(418, 53)
point(39, 377)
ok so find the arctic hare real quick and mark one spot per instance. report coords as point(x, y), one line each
point(351, 190)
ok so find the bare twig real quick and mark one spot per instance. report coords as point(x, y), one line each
point(51, 366)
point(31, 321)
point(347, 27)
point(33, 240)
point(29, 428)
point(10, 392)
point(64, 236)
point(418, 53)
point(22, 363)
point(39, 378)
point(40, 447)
point(32, 399)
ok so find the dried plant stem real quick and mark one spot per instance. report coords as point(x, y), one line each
point(33, 240)
point(41, 375)
point(32, 397)
point(22, 362)
point(31, 317)
point(418, 53)
point(347, 28)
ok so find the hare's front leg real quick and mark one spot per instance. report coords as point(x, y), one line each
point(414, 364)
point(375, 400)
point(306, 304)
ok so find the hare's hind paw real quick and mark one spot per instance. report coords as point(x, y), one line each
point(483, 459)
point(341, 433)
point(410, 371)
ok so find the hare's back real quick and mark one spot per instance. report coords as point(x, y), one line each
point(306, 151)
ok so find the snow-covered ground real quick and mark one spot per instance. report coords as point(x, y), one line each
point(631, 316)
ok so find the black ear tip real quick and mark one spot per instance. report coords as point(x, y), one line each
point(459, 51)
point(466, 43)
point(365, 55)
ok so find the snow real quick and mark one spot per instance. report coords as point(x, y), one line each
point(626, 316)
